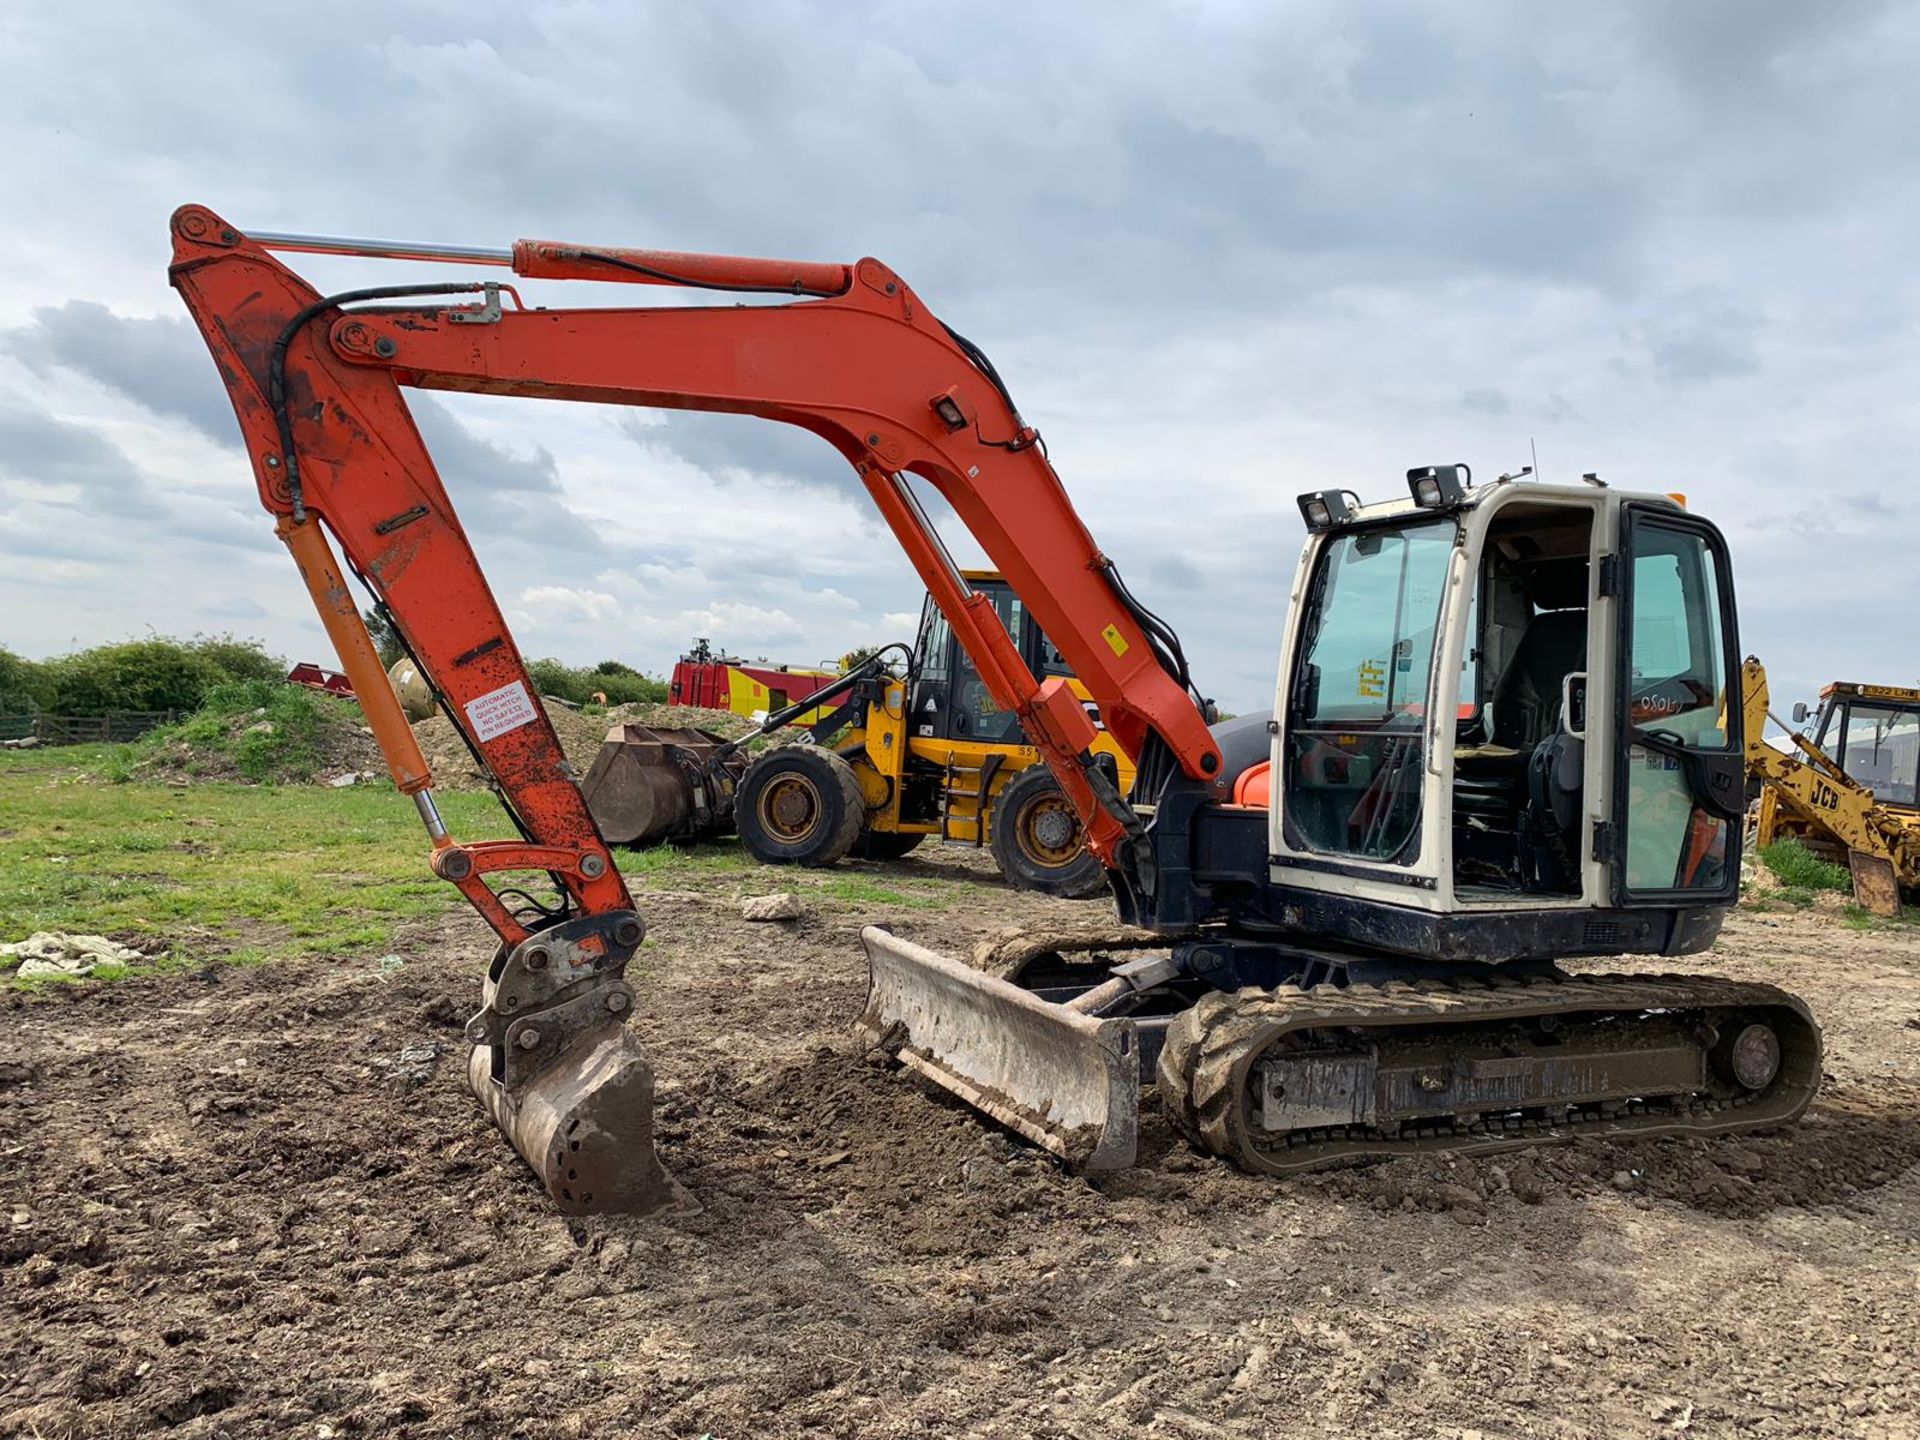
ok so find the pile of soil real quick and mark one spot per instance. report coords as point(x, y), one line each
point(333, 741)
point(581, 733)
point(305, 739)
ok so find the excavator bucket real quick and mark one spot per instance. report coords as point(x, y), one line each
point(1065, 1080)
point(560, 1072)
point(585, 1126)
point(646, 786)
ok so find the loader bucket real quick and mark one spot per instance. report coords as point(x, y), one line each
point(642, 787)
point(1066, 1081)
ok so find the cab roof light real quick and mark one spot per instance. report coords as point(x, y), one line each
point(1438, 487)
point(1327, 509)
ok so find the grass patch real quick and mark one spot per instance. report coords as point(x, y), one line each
point(247, 873)
point(685, 861)
point(674, 865)
point(1797, 867)
point(864, 890)
point(46, 759)
point(218, 869)
point(1858, 917)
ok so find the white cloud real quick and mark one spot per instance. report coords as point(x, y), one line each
point(548, 603)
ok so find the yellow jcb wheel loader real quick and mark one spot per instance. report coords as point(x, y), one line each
point(886, 760)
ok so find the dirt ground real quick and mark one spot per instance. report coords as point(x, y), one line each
point(260, 1202)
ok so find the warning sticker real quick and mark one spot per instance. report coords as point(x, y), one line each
point(1116, 642)
point(498, 711)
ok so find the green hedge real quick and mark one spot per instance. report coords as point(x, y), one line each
point(157, 674)
point(24, 684)
point(1797, 867)
point(621, 684)
point(163, 674)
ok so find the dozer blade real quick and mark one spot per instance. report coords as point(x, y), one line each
point(1064, 1080)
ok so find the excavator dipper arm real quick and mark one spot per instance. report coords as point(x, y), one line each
point(857, 359)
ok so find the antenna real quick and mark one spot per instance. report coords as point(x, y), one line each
point(1534, 450)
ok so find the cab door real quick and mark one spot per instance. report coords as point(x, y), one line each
point(1680, 772)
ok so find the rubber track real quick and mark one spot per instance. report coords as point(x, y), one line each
point(1210, 1051)
point(1186, 1038)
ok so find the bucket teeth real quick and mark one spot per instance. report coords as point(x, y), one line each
point(1066, 1081)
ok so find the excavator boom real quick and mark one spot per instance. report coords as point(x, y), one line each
point(856, 358)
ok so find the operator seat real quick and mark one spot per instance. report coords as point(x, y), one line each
point(1526, 701)
point(1526, 716)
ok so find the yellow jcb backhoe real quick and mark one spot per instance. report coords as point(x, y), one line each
point(887, 760)
point(1863, 805)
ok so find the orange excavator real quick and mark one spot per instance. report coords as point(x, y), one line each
point(1501, 738)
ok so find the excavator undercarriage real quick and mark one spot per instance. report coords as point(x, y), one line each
point(1347, 1061)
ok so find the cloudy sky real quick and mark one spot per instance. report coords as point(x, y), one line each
point(1223, 253)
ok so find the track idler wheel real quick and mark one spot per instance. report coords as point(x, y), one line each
point(1204, 1070)
point(567, 1082)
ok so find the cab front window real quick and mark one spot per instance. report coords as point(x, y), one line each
point(1356, 735)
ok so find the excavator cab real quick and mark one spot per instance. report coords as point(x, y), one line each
point(946, 698)
point(1504, 711)
point(1873, 733)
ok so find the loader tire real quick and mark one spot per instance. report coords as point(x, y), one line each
point(799, 805)
point(886, 844)
point(1038, 841)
